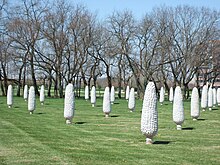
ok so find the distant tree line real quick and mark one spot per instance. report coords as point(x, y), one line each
point(58, 42)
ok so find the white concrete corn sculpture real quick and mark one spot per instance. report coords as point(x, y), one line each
point(171, 95)
point(131, 100)
point(10, 96)
point(214, 97)
point(210, 98)
point(69, 104)
point(204, 99)
point(218, 96)
point(42, 96)
point(149, 117)
point(31, 100)
point(162, 92)
point(93, 96)
point(195, 104)
point(112, 95)
point(86, 93)
point(25, 95)
point(127, 93)
point(178, 109)
point(106, 102)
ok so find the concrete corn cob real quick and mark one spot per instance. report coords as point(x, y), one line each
point(149, 116)
point(69, 104)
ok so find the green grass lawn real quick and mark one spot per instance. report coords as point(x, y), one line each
point(44, 138)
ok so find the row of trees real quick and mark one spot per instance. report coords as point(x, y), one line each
point(57, 42)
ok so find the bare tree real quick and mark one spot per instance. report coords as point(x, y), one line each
point(121, 26)
point(56, 31)
point(194, 27)
point(3, 45)
point(102, 51)
point(24, 31)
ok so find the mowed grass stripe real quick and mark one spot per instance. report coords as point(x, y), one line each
point(44, 138)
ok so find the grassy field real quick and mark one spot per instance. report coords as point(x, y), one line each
point(44, 138)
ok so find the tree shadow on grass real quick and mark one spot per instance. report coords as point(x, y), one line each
point(188, 128)
point(80, 122)
point(162, 142)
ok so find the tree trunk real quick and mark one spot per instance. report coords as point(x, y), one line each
point(60, 86)
point(167, 88)
point(24, 77)
point(33, 72)
point(5, 82)
point(83, 77)
point(140, 88)
point(185, 91)
point(49, 86)
point(119, 89)
point(55, 88)
point(119, 77)
point(19, 81)
point(109, 80)
point(2, 87)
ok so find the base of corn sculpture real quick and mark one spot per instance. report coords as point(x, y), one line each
point(178, 127)
point(107, 115)
point(149, 141)
point(68, 121)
